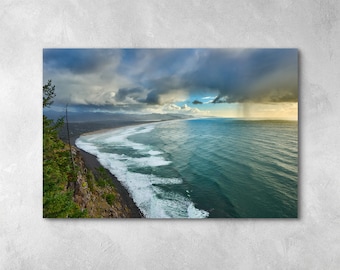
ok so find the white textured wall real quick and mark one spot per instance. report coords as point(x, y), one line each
point(29, 242)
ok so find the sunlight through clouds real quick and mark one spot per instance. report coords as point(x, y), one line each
point(249, 82)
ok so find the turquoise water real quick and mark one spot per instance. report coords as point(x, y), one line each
point(211, 167)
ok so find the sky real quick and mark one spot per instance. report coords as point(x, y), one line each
point(251, 83)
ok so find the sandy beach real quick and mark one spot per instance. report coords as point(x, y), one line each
point(92, 163)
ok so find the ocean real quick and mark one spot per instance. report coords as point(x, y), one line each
point(204, 168)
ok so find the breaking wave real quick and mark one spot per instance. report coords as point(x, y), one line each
point(147, 190)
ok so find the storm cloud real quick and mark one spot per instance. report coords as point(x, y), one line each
point(165, 76)
point(131, 95)
point(248, 76)
point(79, 61)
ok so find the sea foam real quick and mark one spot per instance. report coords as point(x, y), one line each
point(152, 200)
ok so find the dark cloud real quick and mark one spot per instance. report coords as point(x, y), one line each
point(146, 65)
point(164, 76)
point(267, 75)
point(127, 94)
point(153, 97)
point(78, 61)
point(197, 102)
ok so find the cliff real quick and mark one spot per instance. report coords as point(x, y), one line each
point(95, 192)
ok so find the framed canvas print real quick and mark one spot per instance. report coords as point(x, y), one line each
point(170, 133)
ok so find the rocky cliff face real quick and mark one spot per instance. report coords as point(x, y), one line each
point(100, 201)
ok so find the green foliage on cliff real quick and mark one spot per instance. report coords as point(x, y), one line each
point(103, 178)
point(110, 198)
point(58, 173)
point(90, 180)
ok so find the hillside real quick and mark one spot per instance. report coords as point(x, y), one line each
point(70, 189)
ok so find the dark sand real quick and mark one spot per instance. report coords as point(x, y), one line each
point(92, 163)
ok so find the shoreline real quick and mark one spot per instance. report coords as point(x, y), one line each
point(92, 163)
point(114, 128)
